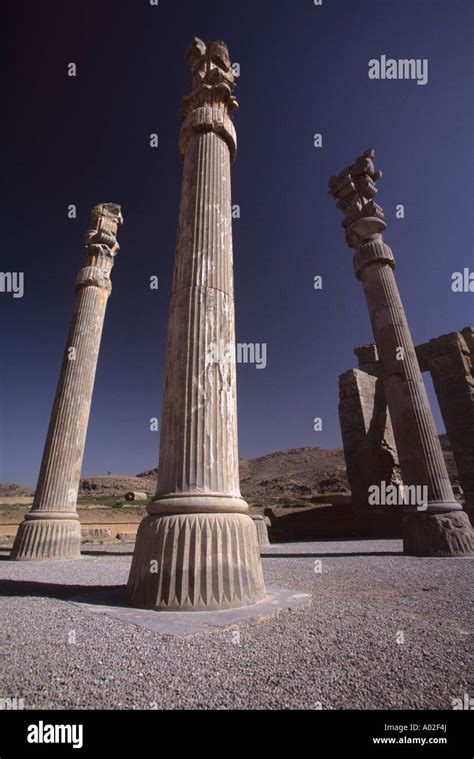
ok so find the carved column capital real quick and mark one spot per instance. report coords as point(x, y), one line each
point(210, 104)
point(101, 247)
point(354, 188)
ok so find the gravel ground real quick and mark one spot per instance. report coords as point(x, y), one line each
point(343, 652)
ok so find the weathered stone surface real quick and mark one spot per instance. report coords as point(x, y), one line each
point(52, 529)
point(468, 335)
point(450, 360)
point(448, 534)
point(418, 446)
point(262, 531)
point(369, 446)
point(368, 359)
point(199, 531)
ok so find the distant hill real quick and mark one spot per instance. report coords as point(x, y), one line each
point(294, 473)
point(299, 473)
point(293, 476)
point(11, 489)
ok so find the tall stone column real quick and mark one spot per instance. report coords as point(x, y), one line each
point(198, 548)
point(443, 528)
point(52, 529)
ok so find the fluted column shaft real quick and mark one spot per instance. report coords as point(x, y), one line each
point(198, 444)
point(421, 457)
point(64, 449)
point(52, 529)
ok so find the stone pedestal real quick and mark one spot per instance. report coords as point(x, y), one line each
point(197, 549)
point(196, 562)
point(52, 530)
point(444, 534)
point(419, 450)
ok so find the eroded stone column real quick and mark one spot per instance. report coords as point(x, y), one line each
point(443, 528)
point(450, 361)
point(52, 529)
point(198, 548)
point(369, 445)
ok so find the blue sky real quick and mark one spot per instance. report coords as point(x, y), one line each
point(304, 70)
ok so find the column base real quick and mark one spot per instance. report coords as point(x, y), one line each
point(41, 537)
point(196, 562)
point(436, 534)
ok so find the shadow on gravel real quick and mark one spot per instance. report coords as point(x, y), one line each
point(22, 588)
point(324, 555)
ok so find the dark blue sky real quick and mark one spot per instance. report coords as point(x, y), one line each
point(304, 70)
